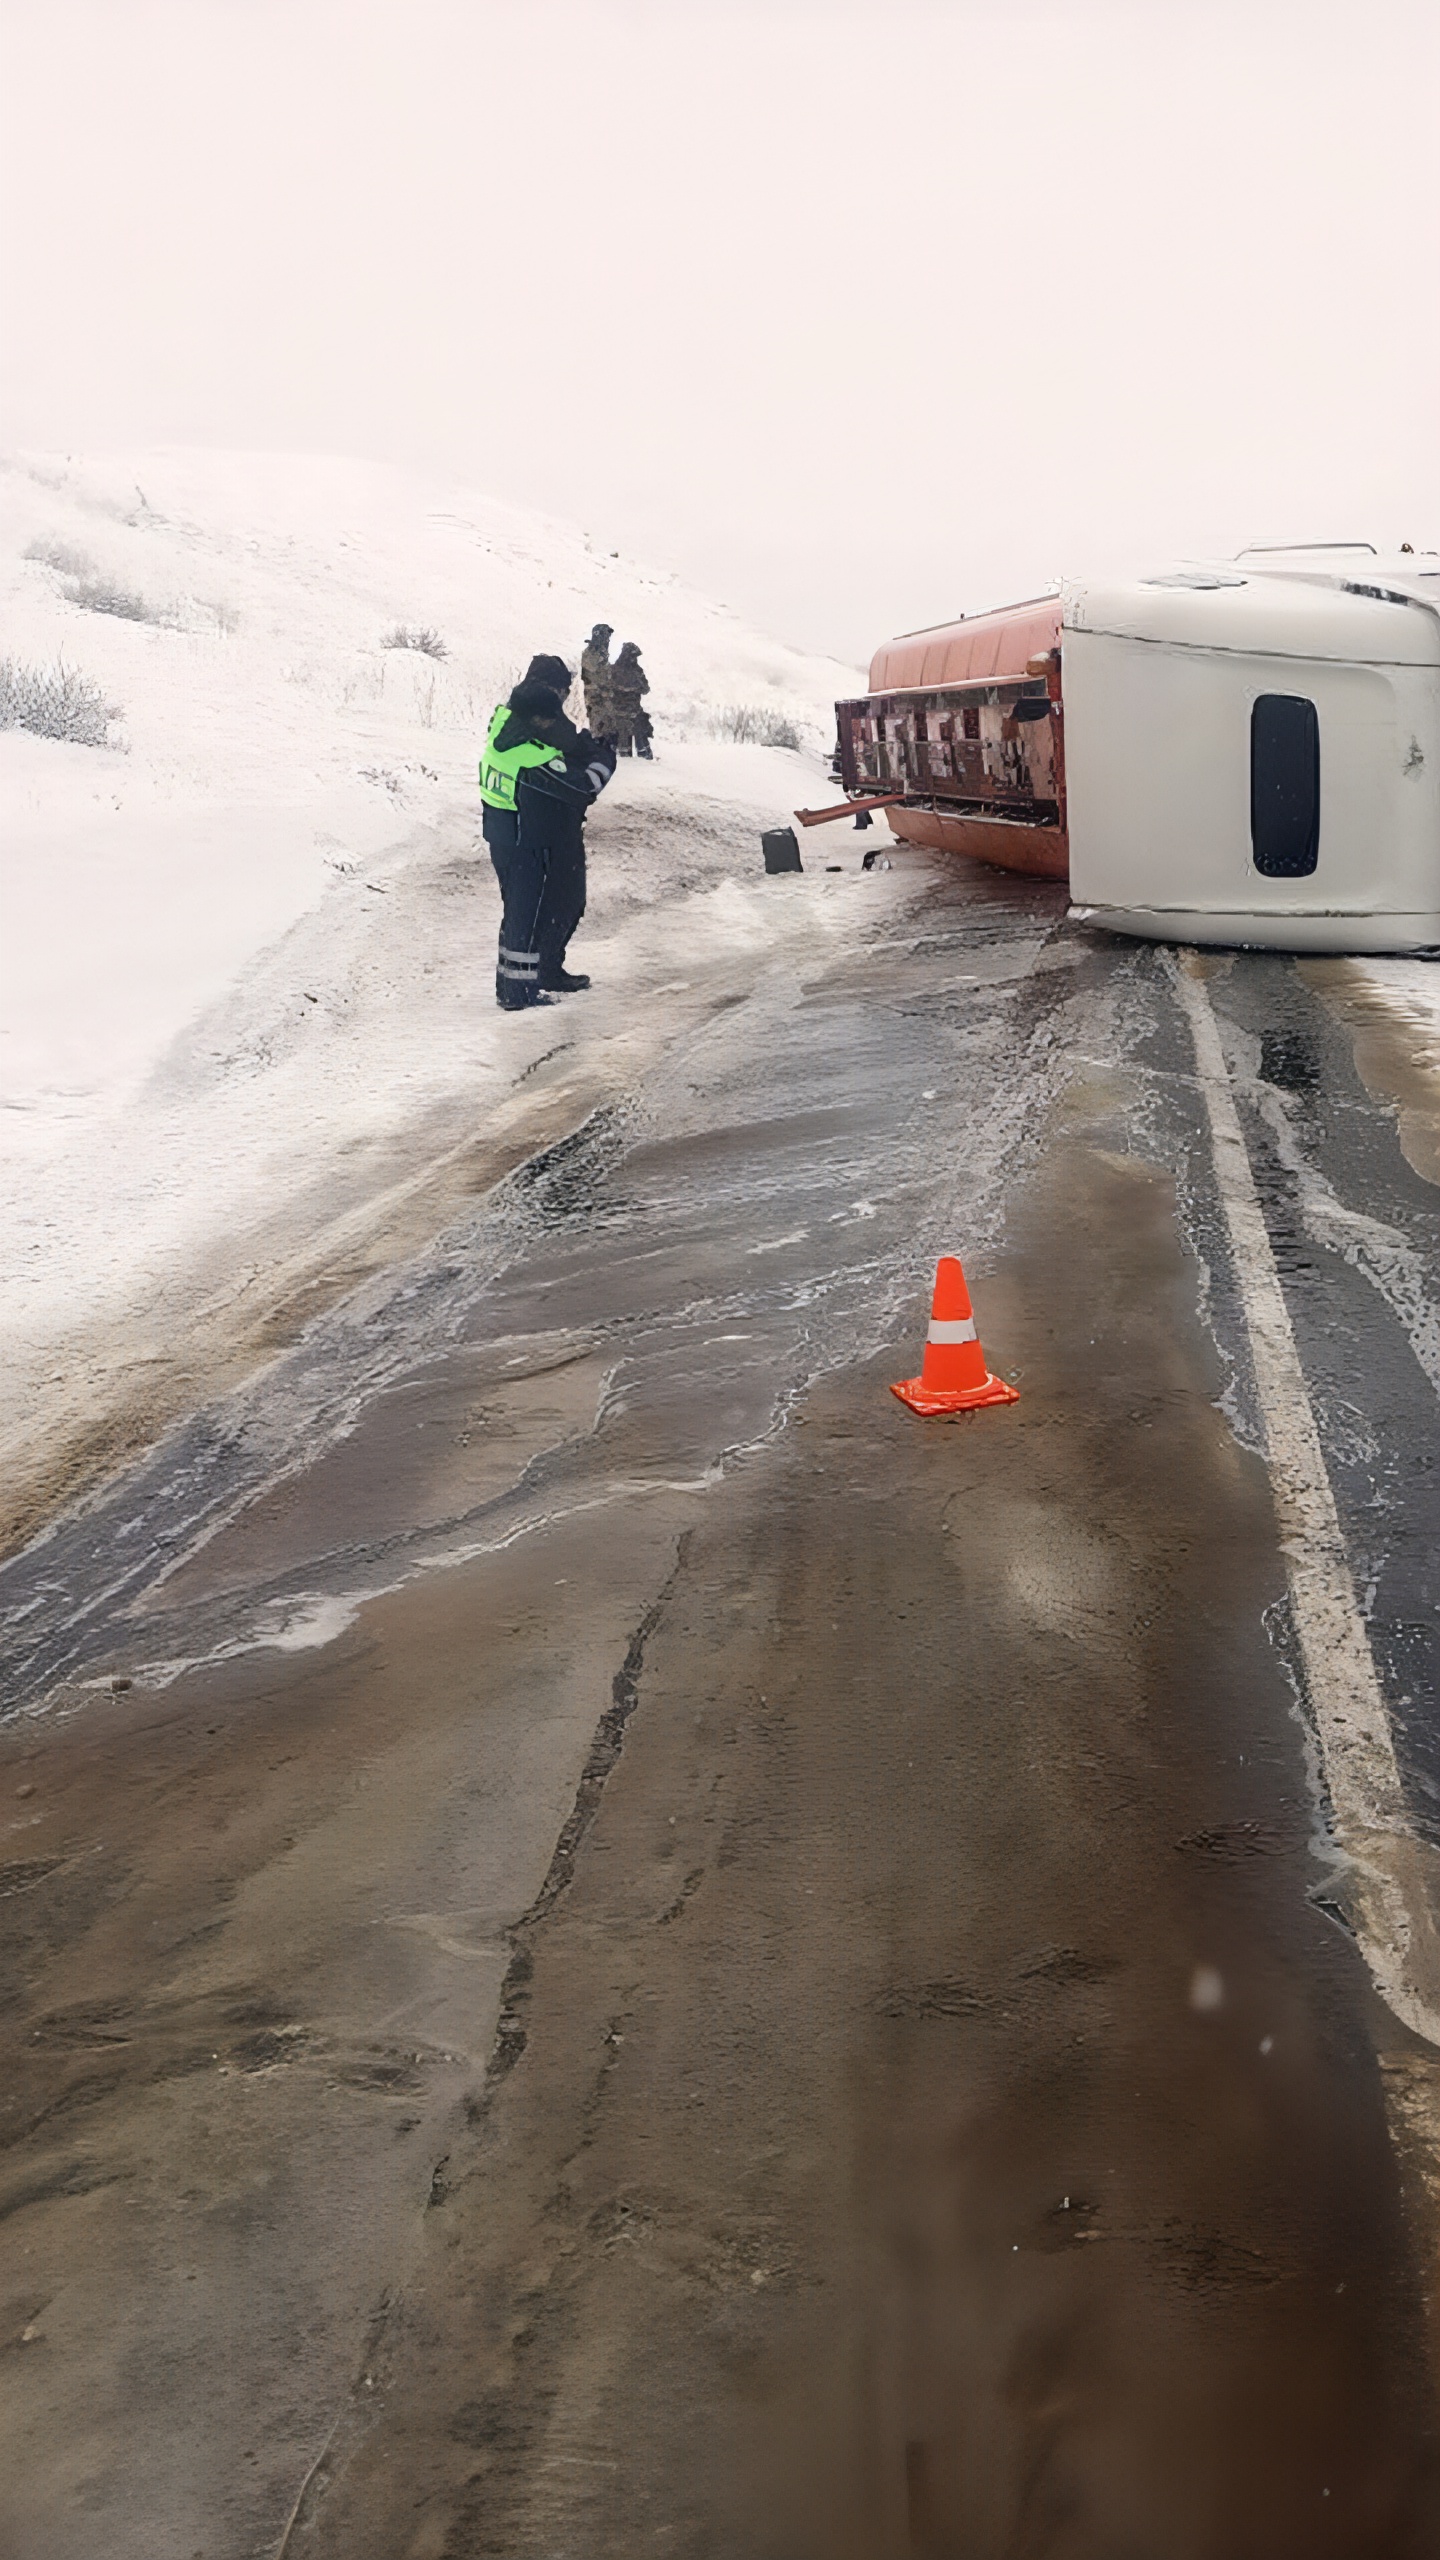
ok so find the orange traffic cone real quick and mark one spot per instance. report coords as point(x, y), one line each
point(953, 1376)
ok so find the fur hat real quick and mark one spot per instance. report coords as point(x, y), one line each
point(530, 700)
point(551, 671)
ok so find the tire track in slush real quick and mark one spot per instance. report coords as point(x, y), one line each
point(1389, 1894)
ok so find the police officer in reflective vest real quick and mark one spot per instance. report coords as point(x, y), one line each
point(526, 730)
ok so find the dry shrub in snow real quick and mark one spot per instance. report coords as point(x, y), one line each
point(103, 595)
point(62, 556)
point(54, 702)
point(428, 642)
point(750, 726)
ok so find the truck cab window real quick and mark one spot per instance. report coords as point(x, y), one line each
point(1284, 785)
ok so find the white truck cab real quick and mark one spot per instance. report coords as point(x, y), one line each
point(1253, 750)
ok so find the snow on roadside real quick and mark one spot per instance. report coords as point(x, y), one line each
point(272, 739)
point(371, 1012)
point(249, 948)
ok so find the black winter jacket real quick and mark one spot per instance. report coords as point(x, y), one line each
point(552, 799)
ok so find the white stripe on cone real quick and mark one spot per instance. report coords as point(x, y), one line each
point(964, 1331)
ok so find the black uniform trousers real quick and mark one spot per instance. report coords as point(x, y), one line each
point(563, 907)
point(524, 878)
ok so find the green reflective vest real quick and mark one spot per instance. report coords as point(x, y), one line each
point(500, 772)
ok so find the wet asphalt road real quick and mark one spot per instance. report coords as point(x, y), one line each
point(1355, 1230)
point(1356, 1235)
point(798, 2046)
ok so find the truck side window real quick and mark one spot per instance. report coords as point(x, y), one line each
point(1284, 785)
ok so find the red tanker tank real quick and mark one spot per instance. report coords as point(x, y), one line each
point(965, 723)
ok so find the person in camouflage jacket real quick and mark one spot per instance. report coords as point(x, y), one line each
point(595, 677)
point(628, 686)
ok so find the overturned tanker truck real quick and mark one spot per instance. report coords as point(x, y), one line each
point(961, 739)
point(1243, 753)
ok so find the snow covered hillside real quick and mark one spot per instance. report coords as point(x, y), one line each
point(247, 1013)
point(235, 609)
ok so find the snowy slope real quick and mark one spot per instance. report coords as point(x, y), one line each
point(270, 736)
point(249, 946)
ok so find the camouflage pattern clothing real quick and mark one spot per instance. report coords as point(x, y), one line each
point(628, 686)
point(595, 677)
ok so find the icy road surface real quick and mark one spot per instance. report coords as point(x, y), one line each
point(612, 1929)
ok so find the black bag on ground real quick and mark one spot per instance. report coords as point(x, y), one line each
point(780, 848)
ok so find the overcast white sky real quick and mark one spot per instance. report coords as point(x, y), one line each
point(858, 315)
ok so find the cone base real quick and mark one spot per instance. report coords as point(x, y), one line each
point(928, 1402)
